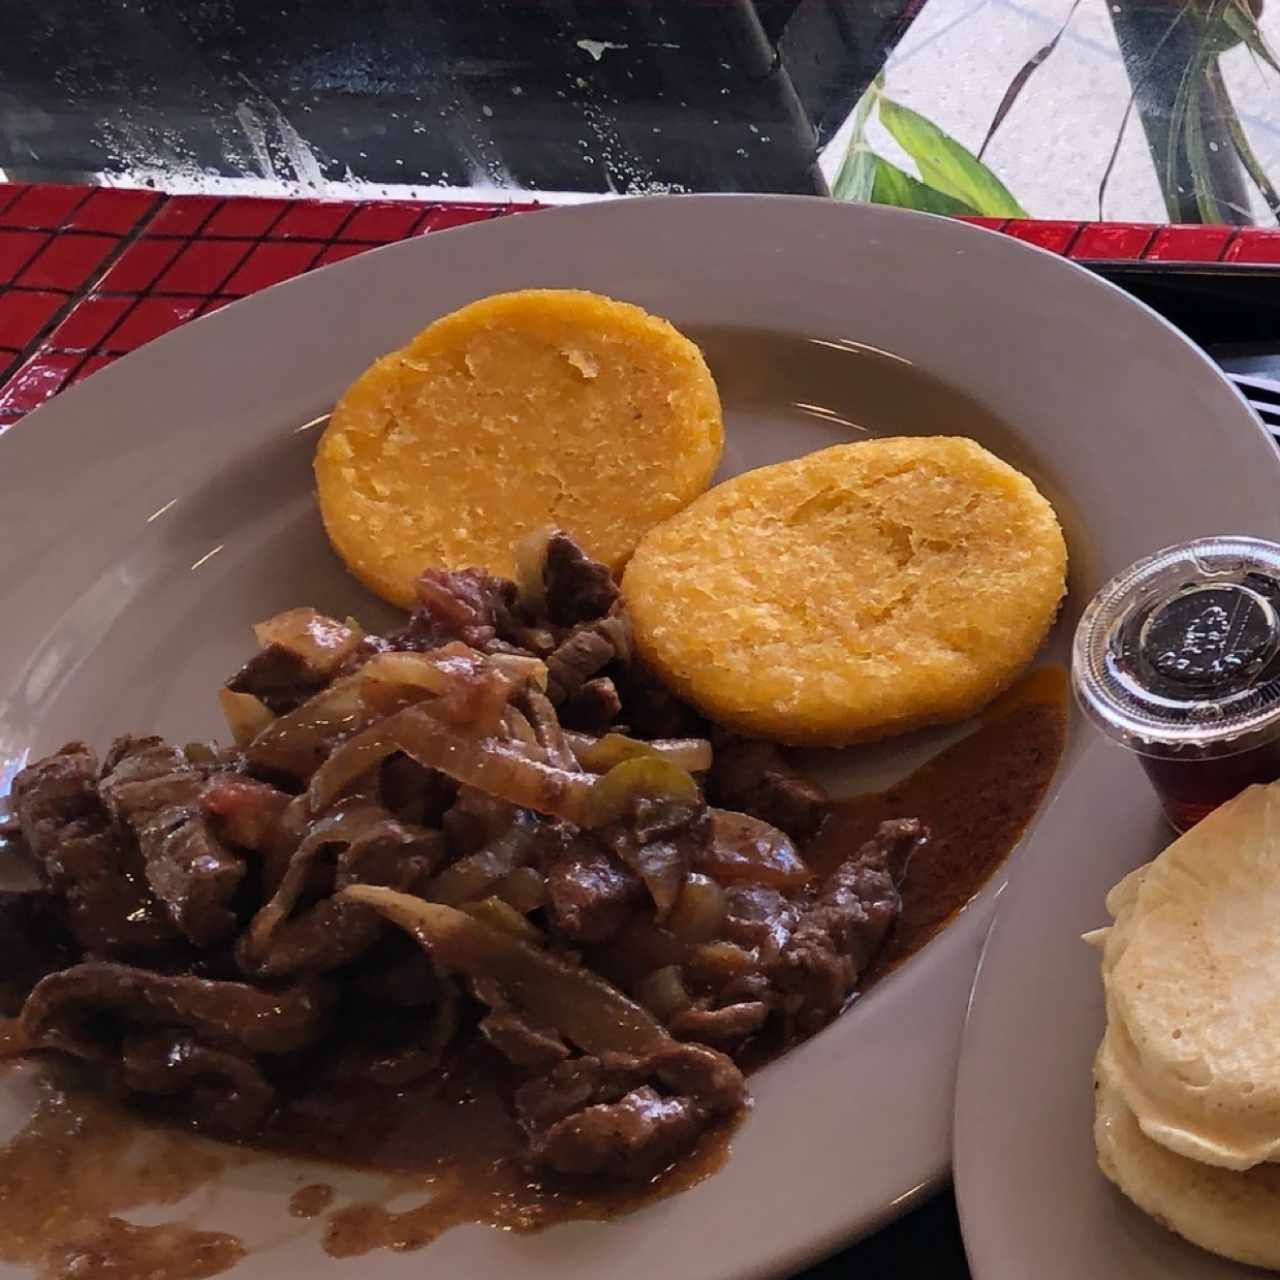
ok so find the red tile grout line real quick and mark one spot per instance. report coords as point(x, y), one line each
point(69, 362)
point(74, 296)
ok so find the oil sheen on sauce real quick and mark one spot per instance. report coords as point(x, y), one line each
point(65, 1186)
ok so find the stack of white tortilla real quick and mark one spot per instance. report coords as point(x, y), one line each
point(1188, 1075)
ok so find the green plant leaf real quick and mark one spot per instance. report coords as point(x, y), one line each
point(945, 165)
point(1198, 161)
point(1019, 82)
point(891, 185)
point(857, 169)
point(1239, 20)
point(1240, 140)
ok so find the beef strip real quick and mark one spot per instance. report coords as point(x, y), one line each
point(154, 793)
point(414, 793)
point(399, 855)
point(728, 1025)
point(650, 708)
point(279, 676)
point(463, 604)
point(592, 893)
point(514, 1034)
point(373, 848)
point(67, 832)
point(326, 936)
point(216, 1090)
point(759, 917)
point(838, 936)
point(625, 1116)
point(578, 589)
point(33, 942)
point(755, 778)
point(393, 1048)
point(593, 708)
point(84, 1010)
point(584, 653)
point(244, 811)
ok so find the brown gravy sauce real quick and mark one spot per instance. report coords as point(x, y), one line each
point(65, 1179)
point(78, 1164)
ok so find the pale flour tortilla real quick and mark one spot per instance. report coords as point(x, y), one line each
point(1191, 968)
point(1236, 1215)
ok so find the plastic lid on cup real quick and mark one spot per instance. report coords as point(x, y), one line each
point(1180, 653)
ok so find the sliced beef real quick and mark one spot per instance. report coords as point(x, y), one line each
point(593, 708)
point(68, 833)
point(399, 855)
point(33, 942)
point(755, 778)
point(650, 708)
point(289, 937)
point(399, 974)
point(216, 1090)
point(245, 812)
point(626, 1117)
point(414, 793)
point(584, 653)
point(578, 589)
point(279, 676)
point(837, 937)
point(522, 1041)
point(155, 794)
point(660, 840)
point(326, 936)
point(632, 1138)
point(389, 1047)
point(760, 917)
point(87, 1009)
point(592, 893)
point(464, 604)
point(725, 1026)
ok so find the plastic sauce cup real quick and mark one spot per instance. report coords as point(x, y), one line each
point(1178, 659)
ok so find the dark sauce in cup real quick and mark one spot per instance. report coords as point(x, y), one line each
point(1178, 659)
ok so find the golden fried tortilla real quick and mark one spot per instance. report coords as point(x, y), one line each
point(853, 593)
point(521, 410)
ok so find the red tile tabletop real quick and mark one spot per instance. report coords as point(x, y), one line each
point(87, 274)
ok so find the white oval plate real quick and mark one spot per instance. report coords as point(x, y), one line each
point(150, 515)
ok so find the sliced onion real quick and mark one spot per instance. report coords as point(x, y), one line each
point(351, 760)
point(663, 992)
point(717, 963)
point(505, 918)
point(522, 731)
point(341, 827)
point(491, 765)
point(525, 889)
point(602, 754)
point(700, 911)
point(613, 795)
point(476, 875)
point(743, 848)
point(322, 643)
point(576, 1001)
point(299, 742)
point(662, 865)
point(246, 716)
point(520, 669)
point(531, 567)
point(468, 688)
